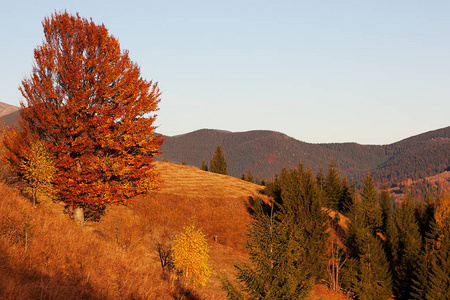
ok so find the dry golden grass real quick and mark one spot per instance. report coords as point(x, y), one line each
point(56, 260)
point(193, 182)
point(116, 258)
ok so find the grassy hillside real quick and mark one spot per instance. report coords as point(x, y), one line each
point(44, 255)
point(266, 152)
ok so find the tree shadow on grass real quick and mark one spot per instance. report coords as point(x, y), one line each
point(184, 292)
point(253, 203)
point(19, 280)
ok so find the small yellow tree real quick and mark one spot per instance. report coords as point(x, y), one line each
point(38, 171)
point(190, 256)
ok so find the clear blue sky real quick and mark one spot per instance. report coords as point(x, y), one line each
point(372, 72)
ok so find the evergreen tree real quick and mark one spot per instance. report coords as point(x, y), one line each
point(218, 164)
point(301, 199)
point(371, 210)
point(439, 274)
point(277, 253)
point(288, 245)
point(420, 277)
point(348, 196)
point(320, 177)
point(391, 246)
point(439, 271)
point(386, 208)
point(373, 280)
point(204, 166)
point(409, 243)
point(273, 188)
point(425, 215)
point(354, 232)
point(333, 187)
point(367, 273)
point(248, 176)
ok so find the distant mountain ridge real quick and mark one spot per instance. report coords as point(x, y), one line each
point(266, 152)
point(6, 109)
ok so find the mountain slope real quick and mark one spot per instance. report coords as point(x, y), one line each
point(6, 109)
point(266, 152)
point(8, 114)
point(58, 260)
point(10, 119)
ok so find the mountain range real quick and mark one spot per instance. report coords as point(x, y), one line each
point(265, 153)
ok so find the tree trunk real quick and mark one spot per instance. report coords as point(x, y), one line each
point(78, 215)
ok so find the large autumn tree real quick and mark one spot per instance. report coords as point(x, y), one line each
point(88, 104)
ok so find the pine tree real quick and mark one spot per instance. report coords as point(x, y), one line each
point(386, 208)
point(218, 163)
point(288, 245)
point(420, 277)
point(333, 187)
point(425, 214)
point(248, 176)
point(439, 269)
point(367, 273)
point(409, 243)
point(439, 274)
point(277, 252)
point(301, 199)
point(371, 210)
point(354, 233)
point(373, 280)
point(320, 178)
point(391, 246)
point(204, 166)
point(348, 196)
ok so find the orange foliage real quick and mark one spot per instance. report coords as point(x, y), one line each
point(86, 101)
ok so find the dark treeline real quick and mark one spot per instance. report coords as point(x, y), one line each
point(320, 229)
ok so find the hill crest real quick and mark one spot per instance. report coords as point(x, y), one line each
point(265, 152)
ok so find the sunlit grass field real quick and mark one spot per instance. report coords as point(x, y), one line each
point(45, 255)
